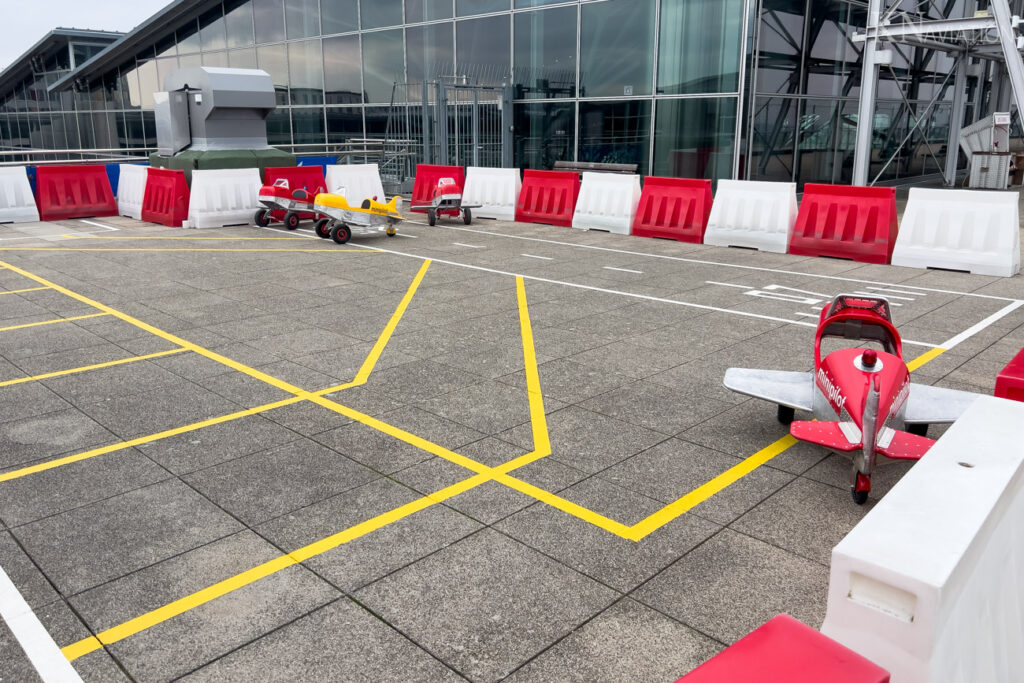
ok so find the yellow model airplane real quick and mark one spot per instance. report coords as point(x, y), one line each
point(368, 218)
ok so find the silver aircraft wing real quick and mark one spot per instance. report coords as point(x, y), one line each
point(793, 389)
point(935, 405)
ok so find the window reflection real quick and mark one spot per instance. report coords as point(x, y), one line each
point(306, 74)
point(343, 80)
point(467, 8)
point(238, 20)
point(699, 46)
point(430, 52)
point(617, 48)
point(339, 16)
point(188, 38)
point(694, 138)
point(545, 133)
point(279, 127)
point(427, 10)
point(269, 20)
point(544, 63)
point(274, 60)
point(774, 139)
point(344, 124)
point(302, 18)
point(212, 35)
point(383, 64)
point(380, 13)
point(616, 133)
point(483, 50)
point(308, 126)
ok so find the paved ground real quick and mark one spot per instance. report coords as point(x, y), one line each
point(248, 455)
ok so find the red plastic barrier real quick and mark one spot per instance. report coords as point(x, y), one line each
point(74, 192)
point(548, 197)
point(857, 223)
point(786, 651)
point(166, 198)
point(426, 180)
point(1010, 383)
point(308, 178)
point(674, 209)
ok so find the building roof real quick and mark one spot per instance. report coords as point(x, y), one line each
point(141, 37)
point(21, 67)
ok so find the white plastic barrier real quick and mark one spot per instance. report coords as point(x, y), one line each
point(751, 214)
point(960, 230)
point(131, 190)
point(495, 190)
point(930, 584)
point(607, 201)
point(17, 204)
point(223, 197)
point(355, 182)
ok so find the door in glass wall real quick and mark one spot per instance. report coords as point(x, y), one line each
point(616, 133)
point(545, 132)
point(695, 138)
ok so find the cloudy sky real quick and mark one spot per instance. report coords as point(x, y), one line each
point(24, 29)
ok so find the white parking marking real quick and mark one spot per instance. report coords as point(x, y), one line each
point(987, 322)
point(543, 258)
point(99, 225)
point(888, 296)
point(468, 246)
point(46, 657)
point(624, 270)
point(897, 291)
point(726, 284)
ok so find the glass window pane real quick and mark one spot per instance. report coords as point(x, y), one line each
point(211, 30)
point(695, 138)
point(832, 52)
point(535, 3)
point(780, 46)
point(339, 16)
point(279, 127)
point(303, 18)
point(483, 49)
point(383, 64)
point(380, 13)
point(772, 148)
point(269, 20)
point(467, 8)
point(274, 60)
point(243, 59)
point(616, 133)
point(617, 48)
point(188, 38)
point(342, 76)
point(431, 52)
point(545, 133)
point(816, 158)
point(544, 63)
point(344, 124)
point(699, 47)
point(308, 126)
point(215, 59)
point(427, 10)
point(305, 67)
point(239, 24)
point(163, 69)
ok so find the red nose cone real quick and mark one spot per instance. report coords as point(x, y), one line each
point(869, 359)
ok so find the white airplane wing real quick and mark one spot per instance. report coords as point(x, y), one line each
point(935, 405)
point(793, 389)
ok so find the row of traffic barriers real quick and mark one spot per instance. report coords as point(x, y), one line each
point(971, 231)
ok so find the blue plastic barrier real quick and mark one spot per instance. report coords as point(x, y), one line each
point(322, 162)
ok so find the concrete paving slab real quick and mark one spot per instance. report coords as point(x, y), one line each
point(17, 665)
point(35, 589)
point(49, 434)
point(463, 612)
point(654, 407)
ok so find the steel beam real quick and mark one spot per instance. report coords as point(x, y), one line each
point(956, 121)
point(1008, 39)
point(868, 89)
point(926, 28)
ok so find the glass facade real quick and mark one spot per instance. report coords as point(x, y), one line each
point(766, 89)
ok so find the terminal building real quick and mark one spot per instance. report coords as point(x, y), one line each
point(750, 89)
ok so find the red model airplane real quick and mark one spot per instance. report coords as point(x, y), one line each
point(862, 398)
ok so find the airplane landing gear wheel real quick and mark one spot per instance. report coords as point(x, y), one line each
point(860, 490)
point(431, 217)
point(291, 220)
point(918, 430)
point(322, 228)
point(341, 234)
point(262, 218)
point(467, 217)
point(786, 415)
point(391, 232)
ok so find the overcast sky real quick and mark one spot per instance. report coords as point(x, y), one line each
point(23, 29)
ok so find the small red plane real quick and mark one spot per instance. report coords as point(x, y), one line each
point(862, 398)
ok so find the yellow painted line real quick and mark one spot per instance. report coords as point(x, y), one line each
point(924, 359)
point(98, 366)
point(86, 455)
point(538, 419)
point(229, 585)
point(22, 291)
point(168, 249)
point(52, 322)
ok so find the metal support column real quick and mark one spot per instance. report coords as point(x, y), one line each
point(442, 124)
point(868, 89)
point(476, 127)
point(1008, 40)
point(428, 149)
point(956, 120)
point(507, 128)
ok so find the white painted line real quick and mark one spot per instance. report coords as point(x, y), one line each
point(468, 246)
point(809, 315)
point(542, 258)
point(625, 270)
point(46, 657)
point(726, 284)
point(897, 291)
point(412, 237)
point(616, 292)
point(715, 263)
point(99, 225)
point(987, 322)
point(888, 296)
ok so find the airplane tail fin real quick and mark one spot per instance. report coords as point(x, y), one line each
point(838, 436)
